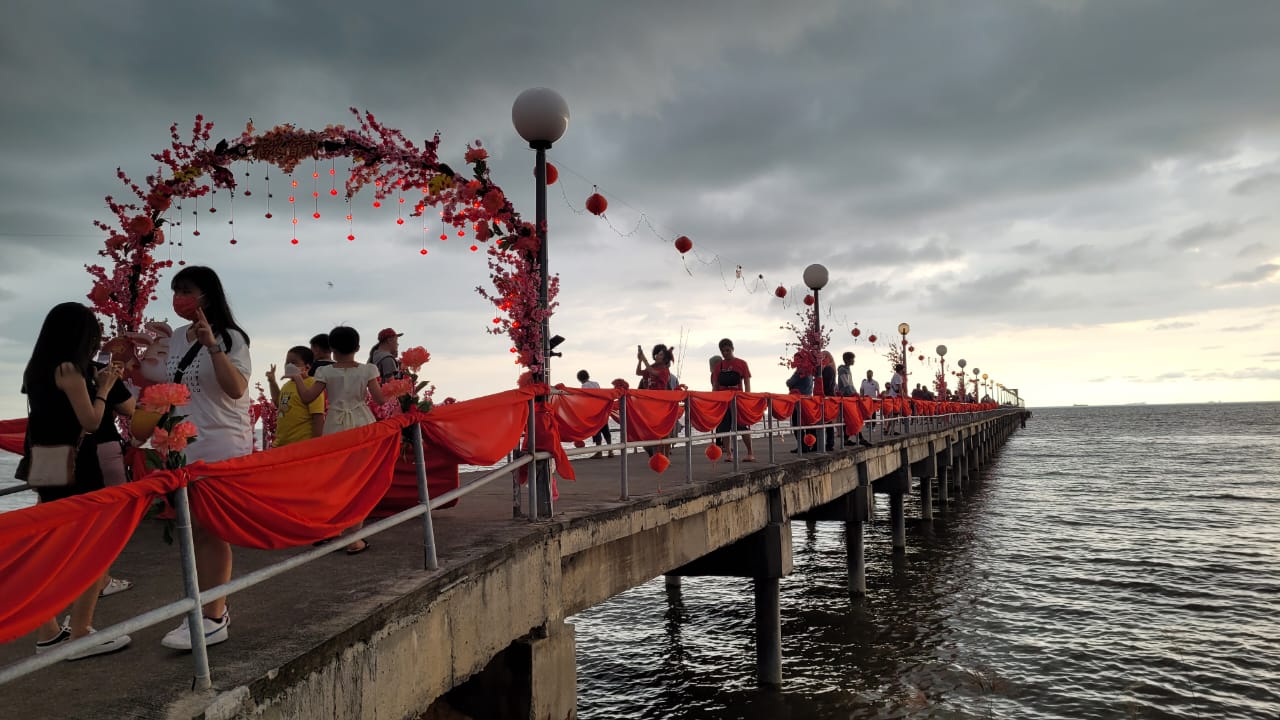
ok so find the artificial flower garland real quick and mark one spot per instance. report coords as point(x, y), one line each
point(382, 156)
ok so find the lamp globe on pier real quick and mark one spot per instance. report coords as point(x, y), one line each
point(540, 116)
point(975, 383)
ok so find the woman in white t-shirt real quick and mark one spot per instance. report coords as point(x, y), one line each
point(210, 356)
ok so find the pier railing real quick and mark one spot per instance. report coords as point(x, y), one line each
point(852, 420)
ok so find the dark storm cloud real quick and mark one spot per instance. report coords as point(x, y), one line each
point(1205, 234)
point(1258, 184)
point(1258, 274)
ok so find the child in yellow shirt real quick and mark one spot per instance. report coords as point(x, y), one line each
point(297, 420)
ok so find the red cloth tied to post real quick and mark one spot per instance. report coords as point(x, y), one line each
point(581, 412)
point(810, 410)
point(300, 493)
point(480, 431)
point(751, 407)
point(12, 433)
point(652, 414)
point(783, 406)
point(853, 417)
point(55, 550)
point(707, 409)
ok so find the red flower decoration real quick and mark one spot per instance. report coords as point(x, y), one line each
point(684, 244)
point(596, 204)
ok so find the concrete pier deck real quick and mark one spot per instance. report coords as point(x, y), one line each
point(296, 628)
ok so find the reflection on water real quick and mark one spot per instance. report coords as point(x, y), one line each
point(1115, 562)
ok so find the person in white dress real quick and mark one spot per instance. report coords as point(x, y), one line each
point(347, 382)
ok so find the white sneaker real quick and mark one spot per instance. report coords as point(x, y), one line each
point(215, 631)
point(64, 635)
point(102, 648)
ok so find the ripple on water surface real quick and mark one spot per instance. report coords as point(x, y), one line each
point(1115, 562)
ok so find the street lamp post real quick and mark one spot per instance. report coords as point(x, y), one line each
point(815, 278)
point(975, 384)
point(541, 116)
point(962, 362)
point(903, 329)
point(942, 358)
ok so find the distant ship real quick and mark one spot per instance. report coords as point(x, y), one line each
point(1079, 405)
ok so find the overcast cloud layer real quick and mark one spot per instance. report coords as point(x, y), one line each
point(1078, 196)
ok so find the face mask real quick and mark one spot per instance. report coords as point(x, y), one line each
point(185, 306)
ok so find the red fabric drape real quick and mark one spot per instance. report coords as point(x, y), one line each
point(53, 551)
point(580, 413)
point(707, 409)
point(809, 410)
point(853, 418)
point(11, 434)
point(299, 493)
point(751, 407)
point(652, 414)
point(783, 406)
point(480, 431)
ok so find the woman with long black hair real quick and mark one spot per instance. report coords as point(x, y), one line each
point(68, 401)
point(210, 355)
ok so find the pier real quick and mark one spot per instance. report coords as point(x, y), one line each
point(377, 636)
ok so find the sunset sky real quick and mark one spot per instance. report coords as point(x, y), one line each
point(1077, 197)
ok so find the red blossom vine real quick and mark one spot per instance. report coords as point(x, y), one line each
point(382, 156)
point(809, 343)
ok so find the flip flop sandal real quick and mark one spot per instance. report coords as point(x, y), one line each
point(115, 585)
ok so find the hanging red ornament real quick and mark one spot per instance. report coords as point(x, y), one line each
point(809, 440)
point(856, 332)
point(399, 221)
point(294, 241)
point(423, 251)
point(780, 291)
point(872, 338)
point(596, 205)
point(920, 358)
point(808, 299)
point(659, 463)
point(351, 237)
point(714, 452)
point(377, 203)
point(684, 244)
point(911, 348)
point(552, 174)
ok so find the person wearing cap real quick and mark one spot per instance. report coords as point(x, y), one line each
point(384, 353)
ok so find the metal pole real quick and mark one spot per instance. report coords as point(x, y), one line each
point(622, 429)
point(191, 587)
point(733, 428)
point(532, 473)
point(688, 441)
point(770, 425)
point(542, 468)
point(429, 560)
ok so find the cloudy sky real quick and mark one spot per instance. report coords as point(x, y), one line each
point(1077, 197)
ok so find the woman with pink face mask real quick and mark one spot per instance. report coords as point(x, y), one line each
point(210, 355)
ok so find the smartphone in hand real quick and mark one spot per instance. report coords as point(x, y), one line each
point(102, 359)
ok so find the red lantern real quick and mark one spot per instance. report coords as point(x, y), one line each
point(808, 299)
point(579, 444)
point(552, 174)
point(659, 463)
point(596, 204)
point(920, 358)
point(684, 244)
point(872, 338)
point(856, 332)
point(714, 452)
point(780, 292)
point(809, 440)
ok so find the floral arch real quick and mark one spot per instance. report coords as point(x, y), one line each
point(380, 156)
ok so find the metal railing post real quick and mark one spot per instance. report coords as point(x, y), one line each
point(844, 437)
point(769, 426)
point(191, 588)
point(622, 428)
point(688, 441)
point(429, 560)
point(531, 475)
point(733, 433)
